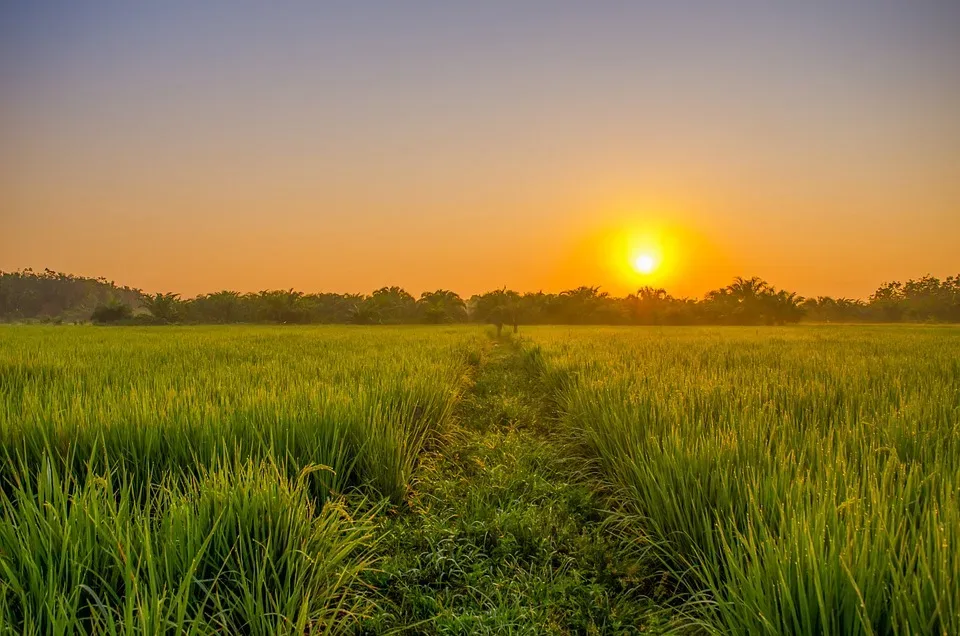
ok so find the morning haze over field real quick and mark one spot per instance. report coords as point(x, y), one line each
point(193, 147)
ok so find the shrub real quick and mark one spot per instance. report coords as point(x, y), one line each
point(113, 311)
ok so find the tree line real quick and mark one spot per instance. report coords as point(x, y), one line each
point(51, 296)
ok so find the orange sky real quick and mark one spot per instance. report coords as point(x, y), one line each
point(193, 149)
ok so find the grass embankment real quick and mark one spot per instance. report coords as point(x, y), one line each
point(506, 532)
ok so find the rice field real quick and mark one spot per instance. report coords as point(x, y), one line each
point(192, 478)
point(794, 481)
point(236, 479)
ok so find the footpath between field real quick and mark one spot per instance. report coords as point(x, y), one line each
point(506, 532)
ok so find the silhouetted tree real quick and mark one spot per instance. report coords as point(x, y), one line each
point(499, 307)
point(441, 306)
point(165, 308)
point(362, 313)
point(887, 301)
point(827, 309)
point(392, 305)
point(649, 306)
point(54, 296)
point(580, 305)
point(114, 310)
point(220, 307)
point(281, 306)
point(30, 295)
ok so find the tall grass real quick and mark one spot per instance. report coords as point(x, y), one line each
point(191, 479)
point(797, 481)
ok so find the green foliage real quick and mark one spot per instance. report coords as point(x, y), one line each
point(390, 305)
point(751, 301)
point(240, 549)
point(827, 309)
point(499, 307)
point(112, 311)
point(218, 308)
point(796, 482)
point(30, 295)
point(192, 478)
point(924, 299)
point(165, 308)
point(441, 306)
point(305, 480)
point(504, 533)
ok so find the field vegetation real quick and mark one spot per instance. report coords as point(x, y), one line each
point(792, 481)
point(413, 479)
point(193, 478)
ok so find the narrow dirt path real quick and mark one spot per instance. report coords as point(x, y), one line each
point(505, 533)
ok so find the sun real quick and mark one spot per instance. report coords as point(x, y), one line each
point(644, 263)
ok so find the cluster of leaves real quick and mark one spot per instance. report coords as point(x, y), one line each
point(924, 299)
point(388, 305)
point(239, 550)
point(745, 301)
point(50, 295)
point(27, 295)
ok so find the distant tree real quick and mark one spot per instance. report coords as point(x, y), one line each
point(887, 301)
point(925, 299)
point(51, 296)
point(30, 295)
point(649, 306)
point(165, 308)
point(581, 305)
point(114, 310)
point(751, 301)
point(220, 307)
point(499, 307)
point(363, 313)
point(536, 307)
point(782, 307)
point(828, 309)
point(330, 308)
point(392, 305)
point(441, 306)
point(747, 295)
point(951, 299)
point(281, 306)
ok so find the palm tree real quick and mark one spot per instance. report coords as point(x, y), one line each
point(281, 306)
point(165, 308)
point(441, 306)
point(221, 307)
point(392, 305)
point(580, 305)
point(500, 307)
point(747, 289)
point(782, 307)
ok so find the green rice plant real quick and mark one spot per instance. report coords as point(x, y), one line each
point(795, 481)
point(242, 549)
point(191, 480)
point(174, 401)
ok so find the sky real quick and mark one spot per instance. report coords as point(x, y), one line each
point(343, 146)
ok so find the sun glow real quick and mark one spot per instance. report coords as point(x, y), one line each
point(641, 250)
point(644, 263)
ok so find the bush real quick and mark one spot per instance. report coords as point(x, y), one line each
point(113, 311)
